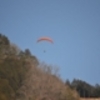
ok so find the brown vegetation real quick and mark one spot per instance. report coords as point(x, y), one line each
point(23, 77)
point(89, 98)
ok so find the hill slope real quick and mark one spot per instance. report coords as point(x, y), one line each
point(22, 77)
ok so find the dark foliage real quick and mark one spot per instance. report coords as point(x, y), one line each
point(84, 89)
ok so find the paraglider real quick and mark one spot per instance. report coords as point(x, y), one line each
point(45, 39)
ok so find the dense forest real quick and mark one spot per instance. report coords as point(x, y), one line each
point(23, 77)
point(84, 89)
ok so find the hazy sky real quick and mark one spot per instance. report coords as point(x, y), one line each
point(74, 26)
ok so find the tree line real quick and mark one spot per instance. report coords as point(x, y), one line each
point(84, 89)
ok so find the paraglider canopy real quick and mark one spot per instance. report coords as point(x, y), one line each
point(45, 39)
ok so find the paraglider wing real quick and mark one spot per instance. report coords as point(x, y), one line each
point(45, 39)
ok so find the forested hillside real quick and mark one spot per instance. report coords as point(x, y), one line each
point(23, 77)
